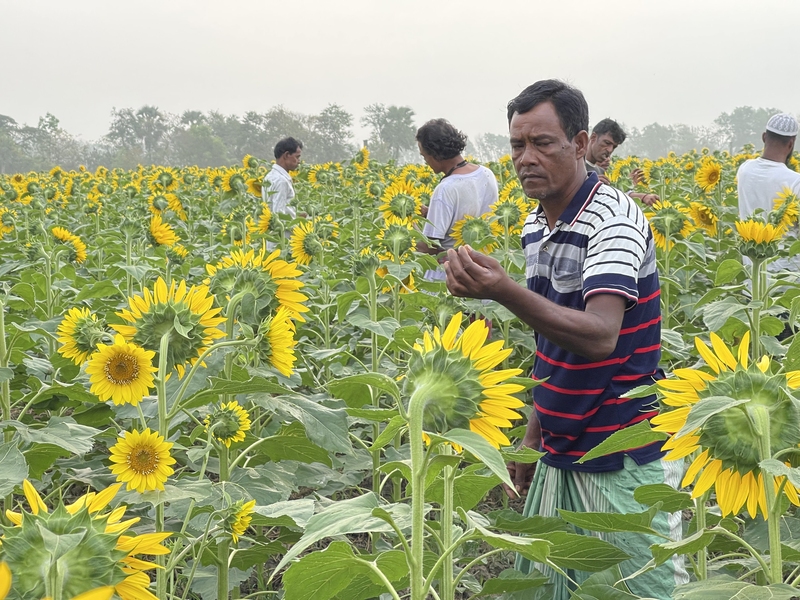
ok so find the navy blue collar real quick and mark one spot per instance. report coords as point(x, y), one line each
point(579, 201)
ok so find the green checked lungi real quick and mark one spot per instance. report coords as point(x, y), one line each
point(611, 492)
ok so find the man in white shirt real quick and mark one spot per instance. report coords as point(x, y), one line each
point(760, 180)
point(465, 189)
point(277, 190)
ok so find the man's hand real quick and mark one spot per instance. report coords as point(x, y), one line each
point(637, 176)
point(423, 210)
point(471, 274)
point(650, 199)
point(604, 179)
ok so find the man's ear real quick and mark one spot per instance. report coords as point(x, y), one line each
point(581, 143)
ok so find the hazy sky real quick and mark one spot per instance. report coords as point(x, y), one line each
point(638, 61)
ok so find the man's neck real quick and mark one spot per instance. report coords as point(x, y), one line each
point(282, 165)
point(555, 205)
point(448, 165)
point(774, 155)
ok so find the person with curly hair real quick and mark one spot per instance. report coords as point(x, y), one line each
point(465, 189)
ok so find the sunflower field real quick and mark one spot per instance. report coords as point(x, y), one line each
point(204, 400)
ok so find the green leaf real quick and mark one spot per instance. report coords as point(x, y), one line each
point(526, 456)
point(384, 328)
point(6, 374)
point(221, 386)
point(688, 545)
point(729, 589)
point(389, 432)
point(355, 390)
point(583, 552)
point(727, 271)
point(246, 558)
point(642, 391)
point(716, 314)
point(291, 513)
point(634, 436)
point(481, 449)
point(13, 468)
point(41, 457)
point(326, 427)
point(531, 548)
point(344, 517)
point(705, 409)
point(468, 490)
point(292, 444)
point(602, 591)
point(372, 414)
point(611, 522)
point(792, 360)
point(344, 302)
point(671, 499)
point(536, 526)
point(104, 288)
point(63, 432)
point(512, 580)
point(777, 468)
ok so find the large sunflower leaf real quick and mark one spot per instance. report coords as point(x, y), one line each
point(634, 436)
point(481, 449)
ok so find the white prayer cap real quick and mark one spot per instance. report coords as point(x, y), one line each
point(783, 124)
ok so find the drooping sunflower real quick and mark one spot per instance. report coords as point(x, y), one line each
point(242, 514)
point(727, 447)
point(254, 186)
point(106, 559)
point(361, 161)
point(785, 209)
point(274, 281)
point(79, 333)
point(228, 423)
point(305, 243)
point(7, 220)
point(142, 460)
point(460, 386)
point(704, 217)
point(668, 222)
point(234, 181)
point(122, 372)
point(511, 214)
point(77, 247)
point(161, 233)
point(264, 218)
point(326, 173)
point(249, 162)
point(708, 175)
point(759, 238)
point(164, 179)
point(478, 233)
point(397, 240)
point(186, 316)
point(277, 341)
point(401, 203)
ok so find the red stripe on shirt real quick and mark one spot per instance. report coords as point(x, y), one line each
point(640, 326)
point(568, 453)
point(633, 377)
point(647, 349)
point(652, 296)
point(569, 392)
point(593, 365)
point(555, 413)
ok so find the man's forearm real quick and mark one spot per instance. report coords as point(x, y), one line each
point(581, 332)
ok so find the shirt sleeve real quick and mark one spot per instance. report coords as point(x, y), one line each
point(614, 256)
point(279, 199)
point(440, 215)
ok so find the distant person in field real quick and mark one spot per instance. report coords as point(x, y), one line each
point(278, 190)
point(760, 180)
point(606, 136)
point(466, 188)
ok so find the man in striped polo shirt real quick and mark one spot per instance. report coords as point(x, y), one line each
point(592, 299)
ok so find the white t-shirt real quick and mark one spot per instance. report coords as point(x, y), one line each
point(279, 182)
point(457, 196)
point(759, 181)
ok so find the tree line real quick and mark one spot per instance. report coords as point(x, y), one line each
point(149, 135)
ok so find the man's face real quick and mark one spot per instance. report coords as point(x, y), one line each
point(545, 160)
point(601, 147)
point(427, 158)
point(292, 159)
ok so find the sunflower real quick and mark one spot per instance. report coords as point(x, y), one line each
point(708, 175)
point(401, 203)
point(240, 521)
point(726, 448)
point(249, 162)
point(164, 179)
point(511, 213)
point(327, 173)
point(186, 316)
point(254, 186)
point(142, 460)
point(79, 333)
point(161, 233)
point(228, 423)
point(759, 238)
point(78, 248)
point(704, 217)
point(177, 254)
point(361, 161)
point(397, 240)
point(277, 341)
point(478, 233)
point(460, 387)
point(105, 560)
point(7, 220)
point(122, 373)
point(233, 181)
point(785, 209)
point(305, 243)
point(668, 221)
point(264, 218)
point(275, 281)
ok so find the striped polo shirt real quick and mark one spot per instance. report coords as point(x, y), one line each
point(601, 244)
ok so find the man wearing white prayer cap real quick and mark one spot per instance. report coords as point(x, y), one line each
point(760, 180)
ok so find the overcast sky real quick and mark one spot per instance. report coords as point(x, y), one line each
point(638, 61)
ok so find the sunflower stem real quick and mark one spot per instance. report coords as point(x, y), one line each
point(756, 276)
point(223, 546)
point(372, 300)
point(163, 430)
point(760, 416)
point(447, 589)
point(128, 261)
point(5, 393)
point(419, 467)
point(701, 572)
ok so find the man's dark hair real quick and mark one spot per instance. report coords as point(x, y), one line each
point(777, 139)
point(610, 126)
point(570, 105)
point(289, 145)
point(441, 140)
